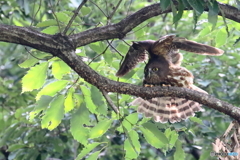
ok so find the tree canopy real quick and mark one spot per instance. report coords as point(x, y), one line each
point(59, 95)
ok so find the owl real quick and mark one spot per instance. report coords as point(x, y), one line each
point(167, 46)
point(164, 69)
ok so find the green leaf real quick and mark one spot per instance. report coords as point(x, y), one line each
point(80, 117)
point(8, 133)
point(29, 62)
point(179, 153)
point(59, 68)
point(85, 10)
point(63, 17)
point(87, 99)
point(93, 156)
point(172, 136)
point(54, 113)
point(195, 119)
point(221, 37)
point(96, 95)
point(42, 104)
point(14, 147)
point(205, 154)
point(88, 148)
point(205, 31)
point(132, 145)
point(186, 4)
point(49, 22)
point(179, 14)
point(153, 128)
point(164, 4)
point(51, 30)
point(197, 6)
point(52, 88)
point(152, 139)
point(78, 99)
point(108, 57)
point(35, 77)
point(213, 13)
point(129, 121)
point(100, 129)
point(69, 102)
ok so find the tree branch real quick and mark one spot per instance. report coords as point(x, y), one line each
point(64, 47)
point(110, 102)
point(108, 85)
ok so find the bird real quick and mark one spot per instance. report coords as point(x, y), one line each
point(167, 46)
point(164, 69)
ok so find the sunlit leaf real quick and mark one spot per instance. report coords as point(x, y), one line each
point(132, 145)
point(85, 10)
point(205, 31)
point(52, 88)
point(69, 101)
point(100, 128)
point(54, 113)
point(78, 99)
point(88, 148)
point(87, 99)
point(221, 37)
point(79, 132)
point(29, 62)
point(35, 77)
point(179, 153)
point(51, 30)
point(63, 17)
point(59, 68)
point(47, 23)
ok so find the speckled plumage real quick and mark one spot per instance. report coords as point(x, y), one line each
point(164, 69)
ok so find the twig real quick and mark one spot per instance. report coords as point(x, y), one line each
point(73, 17)
point(115, 9)
point(99, 8)
point(110, 44)
point(99, 54)
point(110, 102)
point(34, 15)
point(55, 16)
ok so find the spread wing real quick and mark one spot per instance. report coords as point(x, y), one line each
point(164, 109)
point(191, 46)
point(136, 53)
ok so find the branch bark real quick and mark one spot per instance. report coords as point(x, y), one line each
point(64, 48)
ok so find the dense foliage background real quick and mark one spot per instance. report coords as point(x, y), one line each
point(47, 111)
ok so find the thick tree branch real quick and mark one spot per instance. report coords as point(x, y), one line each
point(44, 42)
point(64, 47)
point(108, 85)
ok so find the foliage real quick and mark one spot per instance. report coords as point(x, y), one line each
point(49, 111)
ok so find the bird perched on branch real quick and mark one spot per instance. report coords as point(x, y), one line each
point(164, 69)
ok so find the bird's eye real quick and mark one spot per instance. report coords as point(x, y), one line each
point(155, 69)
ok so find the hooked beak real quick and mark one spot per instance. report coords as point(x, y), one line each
point(149, 72)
